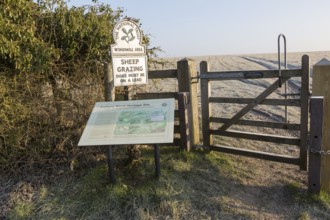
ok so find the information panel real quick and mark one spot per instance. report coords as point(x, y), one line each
point(130, 122)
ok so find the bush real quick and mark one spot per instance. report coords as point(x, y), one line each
point(51, 74)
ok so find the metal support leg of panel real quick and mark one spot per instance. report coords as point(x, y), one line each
point(110, 165)
point(157, 160)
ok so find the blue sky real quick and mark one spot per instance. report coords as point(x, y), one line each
point(224, 27)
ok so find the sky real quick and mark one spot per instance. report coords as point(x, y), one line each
point(183, 28)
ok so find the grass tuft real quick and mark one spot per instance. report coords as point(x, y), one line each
point(323, 199)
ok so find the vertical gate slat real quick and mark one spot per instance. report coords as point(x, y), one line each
point(206, 107)
point(304, 111)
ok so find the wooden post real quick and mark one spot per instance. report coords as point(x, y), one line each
point(206, 108)
point(109, 89)
point(188, 82)
point(314, 165)
point(321, 87)
point(129, 93)
point(109, 95)
point(185, 134)
point(304, 96)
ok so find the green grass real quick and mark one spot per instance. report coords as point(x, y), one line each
point(193, 185)
point(317, 206)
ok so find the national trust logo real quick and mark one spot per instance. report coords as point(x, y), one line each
point(127, 32)
point(128, 35)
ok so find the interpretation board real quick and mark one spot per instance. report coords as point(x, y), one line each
point(129, 59)
point(130, 122)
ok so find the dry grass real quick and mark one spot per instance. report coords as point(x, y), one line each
point(196, 185)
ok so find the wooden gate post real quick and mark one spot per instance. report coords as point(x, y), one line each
point(206, 107)
point(321, 87)
point(109, 89)
point(188, 82)
point(109, 95)
point(314, 162)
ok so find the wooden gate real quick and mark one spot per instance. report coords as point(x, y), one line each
point(207, 118)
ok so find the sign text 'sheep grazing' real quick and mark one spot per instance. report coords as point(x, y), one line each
point(129, 71)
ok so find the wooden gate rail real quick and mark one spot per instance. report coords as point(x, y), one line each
point(256, 154)
point(258, 137)
point(257, 74)
point(163, 74)
point(207, 118)
point(281, 102)
point(265, 124)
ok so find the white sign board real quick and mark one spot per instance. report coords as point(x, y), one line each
point(129, 60)
point(129, 70)
point(128, 38)
point(130, 122)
